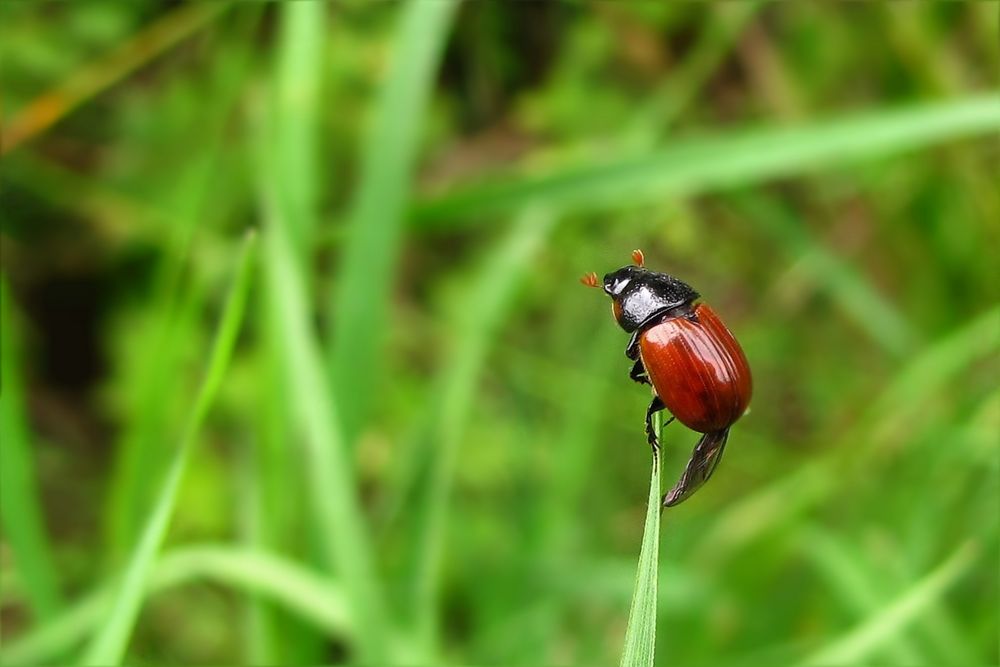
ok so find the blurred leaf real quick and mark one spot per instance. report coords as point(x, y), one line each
point(142, 448)
point(330, 481)
point(475, 329)
point(575, 450)
point(185, 205)
point(23, 523)
point(296, 139)
point(284, 582)
point(852, 580)
point(882, 626)
point(928, 371)
point(109, 644)
point(371, 249)
point(315, 598)
point(261, 634)
point(88, 81)
point(855, 295)
point(694, 166)
point(660, 109)
point(296, 176)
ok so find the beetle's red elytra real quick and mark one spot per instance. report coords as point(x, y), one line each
point(698, 369)
point(695, 365)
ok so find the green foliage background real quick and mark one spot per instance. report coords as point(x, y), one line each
point(425, 447)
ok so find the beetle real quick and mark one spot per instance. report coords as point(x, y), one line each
point(694, 364)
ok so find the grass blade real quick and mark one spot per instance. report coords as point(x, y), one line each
point(184, 207)
point(313, 598)
point(699, 165)
point(331, 486)
point(491, 292)
point(341, 534)
point(292, 132)
point(665, 103)
point(860, 587)
point(883, 626)
point(141, 450)
point(361, 293)
point(108, 646)
point(295, 139)
point(640, 635)
point(855, 295)
point(20, 513)
point(927, 372)
point(50, 108)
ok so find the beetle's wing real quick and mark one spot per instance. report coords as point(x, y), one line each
point(705, 457)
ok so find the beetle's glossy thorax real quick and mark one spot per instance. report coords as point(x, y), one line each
point(640, 295)
point(697, 367)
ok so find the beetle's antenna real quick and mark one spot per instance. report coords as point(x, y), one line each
point(638, 258)
point(590, 279)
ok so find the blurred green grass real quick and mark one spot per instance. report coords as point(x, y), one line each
point(426, 448)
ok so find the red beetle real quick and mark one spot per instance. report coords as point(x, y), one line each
point(695, 365)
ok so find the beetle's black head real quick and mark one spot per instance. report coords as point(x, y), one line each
point(638, 294)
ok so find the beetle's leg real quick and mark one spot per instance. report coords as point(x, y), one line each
point(638, 373)
point(632, 349)
point(654, 406)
